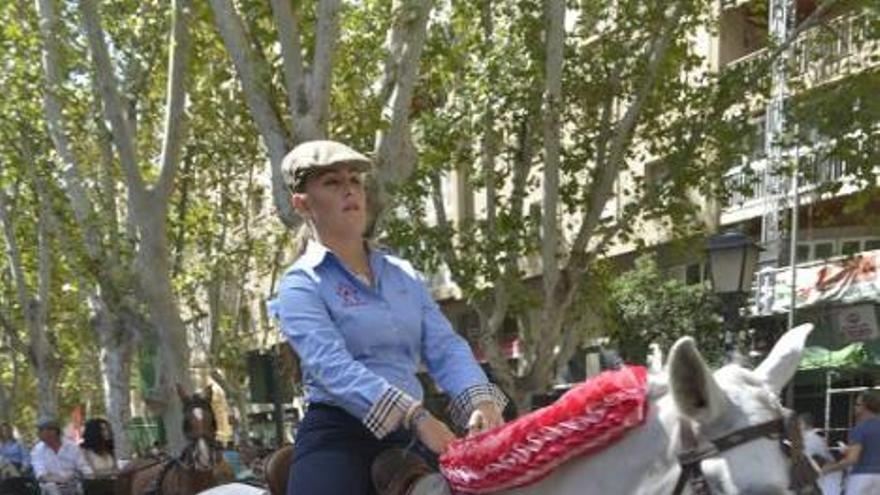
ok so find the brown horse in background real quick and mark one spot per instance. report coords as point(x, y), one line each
point(276, 469)
point(199, 466)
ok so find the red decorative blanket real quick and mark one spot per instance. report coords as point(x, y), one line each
point(585, 420)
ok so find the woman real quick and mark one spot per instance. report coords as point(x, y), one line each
point(97, 447)
point(362, 323)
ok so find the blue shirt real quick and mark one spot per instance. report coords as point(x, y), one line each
point(867, 434)
point(360, 345)
point(13, 452)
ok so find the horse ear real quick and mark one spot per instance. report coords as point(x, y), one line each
point(655, 359)
point(694, 389)
point(181, 392)
point(782, 362)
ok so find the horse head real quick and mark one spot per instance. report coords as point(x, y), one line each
point(200, 429)
point(731, 424)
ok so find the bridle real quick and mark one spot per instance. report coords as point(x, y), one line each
point(785, 429)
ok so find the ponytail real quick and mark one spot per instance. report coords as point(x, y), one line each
point(301, 239)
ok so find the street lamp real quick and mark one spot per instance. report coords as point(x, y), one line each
point(732, 260)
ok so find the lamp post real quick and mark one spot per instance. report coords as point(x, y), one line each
point(732, 260)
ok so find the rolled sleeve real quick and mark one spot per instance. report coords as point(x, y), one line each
point(306, 323)
point(452, 364)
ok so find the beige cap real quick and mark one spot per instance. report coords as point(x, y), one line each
point(313, 155)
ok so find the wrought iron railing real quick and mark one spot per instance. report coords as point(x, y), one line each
point(846, 45)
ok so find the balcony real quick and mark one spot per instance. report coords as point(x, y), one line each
point(823, 54)
point(752, 190)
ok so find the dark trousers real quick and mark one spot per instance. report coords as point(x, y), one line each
point(333, 453)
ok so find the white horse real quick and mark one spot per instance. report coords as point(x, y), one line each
point(707, 406)
point(710, 405)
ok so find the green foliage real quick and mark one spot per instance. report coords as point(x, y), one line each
point(645, 306)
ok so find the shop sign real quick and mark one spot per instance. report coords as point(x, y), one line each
point(858, 323)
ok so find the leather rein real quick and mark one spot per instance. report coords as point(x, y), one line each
point(784, 429)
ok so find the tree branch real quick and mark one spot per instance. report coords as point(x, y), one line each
point(395, 155)
point(13, 253)
point(253, 71)
point(18, 345)
point(555, 40)
point(607, 175)
point(287, 23)
point(178, 61)
point(79, 201)
point(327, 34)
point(448, 250)
point(123, 136)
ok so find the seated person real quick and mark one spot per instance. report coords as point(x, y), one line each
point(58, 463)
point(233, 458)
point(14, 458)
point(97, 447)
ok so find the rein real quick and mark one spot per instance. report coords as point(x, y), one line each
point(183, 461)
point(784, 429)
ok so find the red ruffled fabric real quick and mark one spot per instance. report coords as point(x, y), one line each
point(585, 420)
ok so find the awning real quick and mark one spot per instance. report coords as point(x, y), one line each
point(842, 280)
point(852, 357)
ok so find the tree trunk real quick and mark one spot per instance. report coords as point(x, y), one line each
point(155, 280)
point(47, 379)
point(34, 304)
point(117, 348)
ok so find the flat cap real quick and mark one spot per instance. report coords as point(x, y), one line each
point(48, 423)
point(312, 155)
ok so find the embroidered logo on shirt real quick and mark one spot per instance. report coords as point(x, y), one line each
point(349, 294)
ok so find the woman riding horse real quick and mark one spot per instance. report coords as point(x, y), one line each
point(362, 323)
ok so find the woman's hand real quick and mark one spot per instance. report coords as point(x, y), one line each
point(486, 416)
point(434, 434)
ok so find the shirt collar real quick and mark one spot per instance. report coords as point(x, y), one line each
point(316, 252)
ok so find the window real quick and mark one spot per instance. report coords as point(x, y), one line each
point(849, 248)
point(803, 253)
point(815, 250)
point(690, 273)
point(823, 250)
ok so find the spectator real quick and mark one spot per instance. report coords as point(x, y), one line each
point(863, 451)
point(233, 458)
point(58, 463)
point(12, 451)
point(97, 446)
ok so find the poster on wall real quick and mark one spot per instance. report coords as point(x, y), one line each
point(858, 323)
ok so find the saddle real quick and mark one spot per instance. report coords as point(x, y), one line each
point(400, 472)
point(394, 472)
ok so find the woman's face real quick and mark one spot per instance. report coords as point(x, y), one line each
point(5, 432)
point(335, 202)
